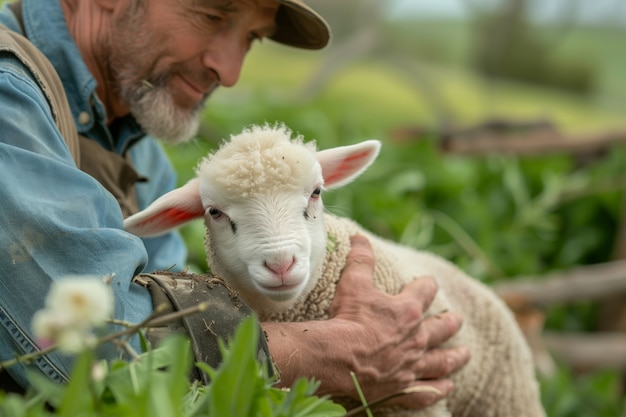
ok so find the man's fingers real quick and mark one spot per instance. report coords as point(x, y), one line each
point(421, 291)
point(361, 254)
point(359, 269)
point(441, 327)
point(427, 393)
point(442, 362)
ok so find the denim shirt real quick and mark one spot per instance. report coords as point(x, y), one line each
point(55, 220)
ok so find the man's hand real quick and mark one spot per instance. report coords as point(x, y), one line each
point(385, 340)
point(393, 346)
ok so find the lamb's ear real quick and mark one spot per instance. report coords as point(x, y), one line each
point(343, 164)
point(167, 212)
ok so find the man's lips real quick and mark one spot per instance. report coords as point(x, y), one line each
point(193, 91)
point(189, 92)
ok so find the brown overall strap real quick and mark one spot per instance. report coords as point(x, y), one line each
point(113, 171)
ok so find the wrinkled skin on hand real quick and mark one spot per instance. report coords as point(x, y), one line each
point(394, 346)
point(384, 339)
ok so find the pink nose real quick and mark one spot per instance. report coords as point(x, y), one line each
point(280, 268)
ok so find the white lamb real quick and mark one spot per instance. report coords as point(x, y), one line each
point(269, 237)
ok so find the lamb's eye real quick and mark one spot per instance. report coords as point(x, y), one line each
point(316, 193)
point(215, 213)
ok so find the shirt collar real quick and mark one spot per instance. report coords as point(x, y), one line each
point(47, 30)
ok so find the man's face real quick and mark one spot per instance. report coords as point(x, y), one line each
point(168, 56)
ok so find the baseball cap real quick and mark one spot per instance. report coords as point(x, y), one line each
point(300, 26)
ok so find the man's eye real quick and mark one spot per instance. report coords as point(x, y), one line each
point(213, 18)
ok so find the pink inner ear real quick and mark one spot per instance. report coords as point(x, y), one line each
point(172, 217)
point(347, 165)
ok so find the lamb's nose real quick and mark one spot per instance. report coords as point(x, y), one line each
point(280, 268)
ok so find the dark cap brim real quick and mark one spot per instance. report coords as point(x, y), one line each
point(300, 26)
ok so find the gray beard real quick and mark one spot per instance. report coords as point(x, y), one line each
point(157, 114)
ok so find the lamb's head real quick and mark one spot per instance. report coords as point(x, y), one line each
point(260, 196)
point(261, 193)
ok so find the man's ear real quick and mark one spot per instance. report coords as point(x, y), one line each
point(343, 164)
point(167, 212)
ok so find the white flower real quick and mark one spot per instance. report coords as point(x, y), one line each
point(57, 327)
point(74, 306)
point(85, 298)
point(47, 325)
point(99, 371)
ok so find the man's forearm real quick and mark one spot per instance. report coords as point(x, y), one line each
point(310, 349)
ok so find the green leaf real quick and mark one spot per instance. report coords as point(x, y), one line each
point(156, 385)
point(240, 373)
point(301, 402)
point(46, 389)
point(12, 405)
point(405, 182)
point(77, 399)
point(144, 342)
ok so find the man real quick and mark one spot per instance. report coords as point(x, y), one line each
point(134, 70)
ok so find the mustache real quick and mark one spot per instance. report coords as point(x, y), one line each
point(147, 86)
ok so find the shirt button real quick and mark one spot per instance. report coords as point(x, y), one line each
point(84, 118)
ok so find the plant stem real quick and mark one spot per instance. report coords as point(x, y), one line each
point(406, 391)
point(154, 320)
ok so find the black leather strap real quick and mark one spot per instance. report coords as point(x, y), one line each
point(225, 312)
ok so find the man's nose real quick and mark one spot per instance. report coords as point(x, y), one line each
point(226, 59)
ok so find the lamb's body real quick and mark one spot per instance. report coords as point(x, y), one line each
point(266, 236)
point(499, 379)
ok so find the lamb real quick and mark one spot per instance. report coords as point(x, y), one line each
point(269, 237)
